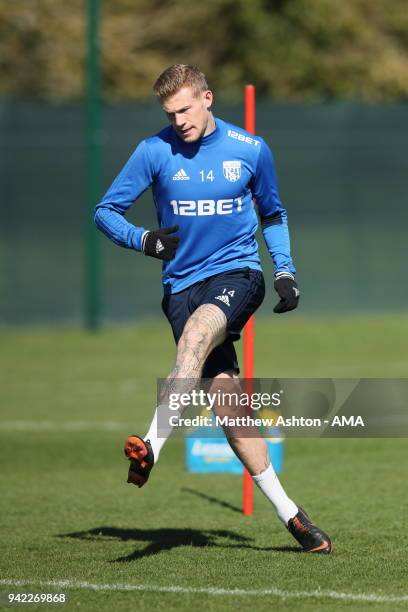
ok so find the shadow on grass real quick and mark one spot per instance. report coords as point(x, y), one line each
point(213, 500)
point(161, 540)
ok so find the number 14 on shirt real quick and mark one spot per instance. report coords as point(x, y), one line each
point(207, 177)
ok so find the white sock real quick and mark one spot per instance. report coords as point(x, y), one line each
point(164, 431)
point(270, 486)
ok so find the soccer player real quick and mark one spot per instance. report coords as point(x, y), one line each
point(206, 175)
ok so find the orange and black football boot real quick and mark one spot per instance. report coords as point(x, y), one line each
point(311, 538)
point(140, 454)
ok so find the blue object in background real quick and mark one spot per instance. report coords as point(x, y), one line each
point(214, 455)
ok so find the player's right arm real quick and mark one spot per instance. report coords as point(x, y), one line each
point(135, 177)
point(133, 180)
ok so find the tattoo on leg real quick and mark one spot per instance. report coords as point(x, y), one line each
point(204, 330)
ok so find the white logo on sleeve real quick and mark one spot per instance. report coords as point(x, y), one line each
point(243, 138)
point(232, 170)
point(181, 175)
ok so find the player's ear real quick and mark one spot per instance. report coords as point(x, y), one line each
point(208, 99)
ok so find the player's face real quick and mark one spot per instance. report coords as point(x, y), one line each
point(189, 113)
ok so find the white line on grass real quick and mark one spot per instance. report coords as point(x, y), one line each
point(73, 584)
point(63, 425)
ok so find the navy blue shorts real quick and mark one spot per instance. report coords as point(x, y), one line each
point(238, 293)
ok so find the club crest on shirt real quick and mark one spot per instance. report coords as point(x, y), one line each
point(232, 170)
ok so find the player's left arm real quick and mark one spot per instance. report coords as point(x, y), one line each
point(274, 223)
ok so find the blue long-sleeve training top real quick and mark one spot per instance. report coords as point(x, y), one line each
point(208, 188)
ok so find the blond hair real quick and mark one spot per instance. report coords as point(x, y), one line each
point(177, 76)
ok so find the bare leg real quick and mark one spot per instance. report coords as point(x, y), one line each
point(203, 331)
point(251, 449)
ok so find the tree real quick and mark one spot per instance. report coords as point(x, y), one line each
point(293, 50)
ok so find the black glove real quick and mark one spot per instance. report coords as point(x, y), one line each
point(287, 289)
point(160, 244)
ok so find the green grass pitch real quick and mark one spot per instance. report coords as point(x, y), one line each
point(68, 401)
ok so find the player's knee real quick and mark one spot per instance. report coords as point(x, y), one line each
point(192, 351)
point(205, 329)
point(192, 335)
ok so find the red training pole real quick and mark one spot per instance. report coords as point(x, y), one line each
point(247, 497)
